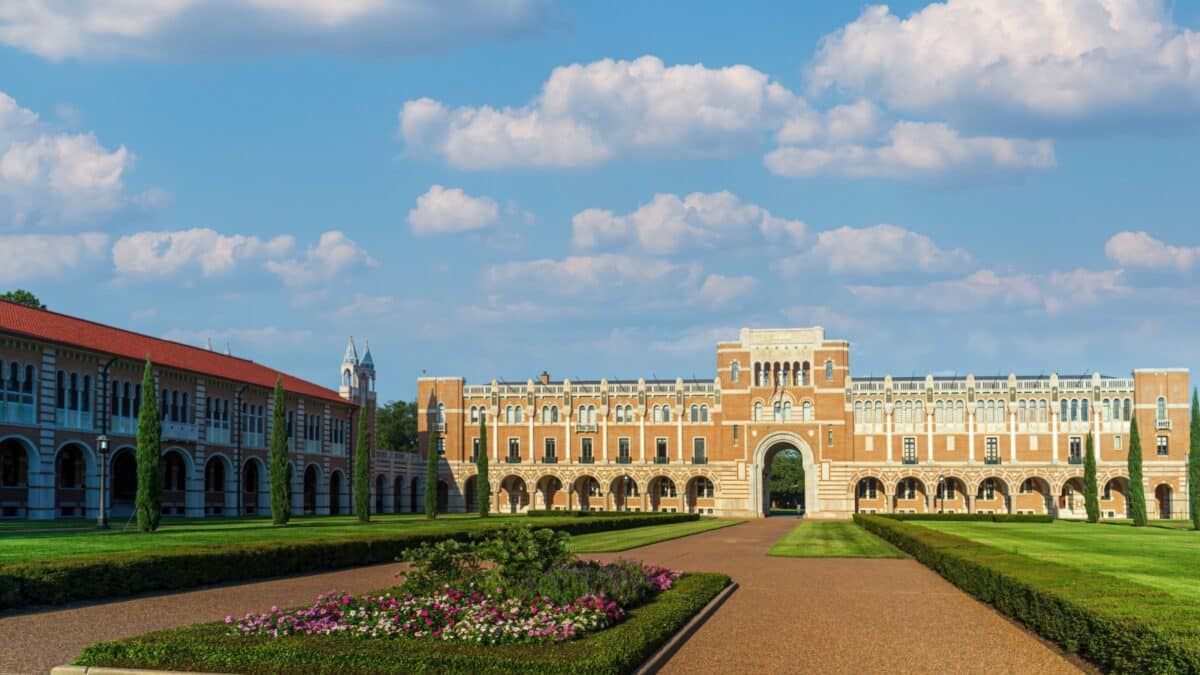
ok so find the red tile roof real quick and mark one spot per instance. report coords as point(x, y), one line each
point(61, 329)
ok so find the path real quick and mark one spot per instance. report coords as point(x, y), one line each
point(798, 615)
point(36, 642)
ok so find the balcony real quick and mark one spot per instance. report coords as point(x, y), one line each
point(587, 459)
point(510, 459)
point(73, 419)
point(1075, 459)
point(549, 460)
point(909, 460)
point(585, 428)
point(439, 427)
point(124, 425)
point(179, 431)
point(1162, 425)
point(624, 459)
point(216, 436)
point(991, 460)
point(700, 460)
point(660, 459)
point(16, 413)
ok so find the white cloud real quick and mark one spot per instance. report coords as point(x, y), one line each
point(267, 336)
point(670, 223)
point(587, 114)
point(52, 179)
point(186, 252)
point(881, 248)
point(818, 315)
point(1139, 249)
point(719, 290)
point(599, 275)
point(181, 29)
point(30, 256)
point(1043, 60)
point(916, 150)
point(332, 255)
point(1054, 292)
point(445, 210)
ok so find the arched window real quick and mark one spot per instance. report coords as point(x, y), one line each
point(441, 414)
point(474, 414)
point(735, 371)
point(878, 412)
point(806, 411)
point(695, 413)
point(1064, 414)
point(666, 413)
point(758, 411)
point(777, 411)
point(829, 370)
point(787, 411)
point(1116, 409)
point(554, 414)
point(858, 413)
point(703, 413)
point(346, 377)
point(1083, 410)
point(628, 413)
point(520, 414)
point(1074, 410)
point(1128, 410)
point(1160, 409)
point(582, 415)
point(919, 414)
point(508, 414)
point(591, 414)
point(620, 414)
point(657, 414)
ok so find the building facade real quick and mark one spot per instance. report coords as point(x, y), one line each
point(1011, 444)
point(65, 381)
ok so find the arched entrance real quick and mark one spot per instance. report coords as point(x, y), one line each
point(310, 490)
point(764, 456)
point(700, 491)
point(470, 488)
point(443, 497)
point(255, 493)
point(380, 484)
point(513, 497)
point(216, 476)
point(335, 493)
point(625, 494)
point(950, 495)
point(1033, 496)
point(1162, 494)
point(124, 483)
point(175, 475)
point(1070, 502)
point(414, 487)
point(1114, 498)
point(14, 478)
point(870, 496)
point(548, 488)
point(587, 493)
point(397, 494)
point(70, 484)
point(664, 496)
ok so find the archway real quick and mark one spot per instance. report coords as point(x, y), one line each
point(950, 495)
point(311, 479)
point(255, 495)
point(15, 457)
point(1114, 498)
point(397, 494)
point(1070, 501)
point(124, 482)
point(764, 456)
point(910, 496)
point(623, 490)
point(70, 481)
point(663, 494)
point(335, 493)
point(870, 496)
point(380, 484)
point(216, 485)
point(1162, 494)
point(1033, 496)
point(414, 487)
point(548, 489)
point(443, 496)
point(587, 491)
point(993, 496)
point(470, 488)
point(513, 497)
point(175, 475)
point(700, 492)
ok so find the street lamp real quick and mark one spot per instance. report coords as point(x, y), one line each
point(102, 445)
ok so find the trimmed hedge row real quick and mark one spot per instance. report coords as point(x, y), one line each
point(543, 513)
point(207, 647)
point(980, 517)
point(1117, 625)
point(116, 575)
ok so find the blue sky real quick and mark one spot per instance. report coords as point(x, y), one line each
point(492, 189)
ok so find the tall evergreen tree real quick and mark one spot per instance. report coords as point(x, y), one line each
point(281, 506)
point(1137, 491)
point(362, 470)
point(148, 503)
point(483, 490)
point(431, 477)
point(1091, 491)
point(1194, 465)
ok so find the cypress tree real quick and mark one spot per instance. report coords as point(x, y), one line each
point(281, 507)
point(1137, 492)
point(1091, 492)
point(431, 478)
point(362, 470)
point(483, 491)
point(148, 503)
point(1194, 465)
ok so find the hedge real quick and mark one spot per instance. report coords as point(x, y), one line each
point(544, 513)
point(975, 517)
point(208, 648)
point(115, 575)
point(1117, 625)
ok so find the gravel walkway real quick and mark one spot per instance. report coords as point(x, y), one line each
point(789, 614)
point(798, 615)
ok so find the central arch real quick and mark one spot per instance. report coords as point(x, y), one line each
point(760, 483)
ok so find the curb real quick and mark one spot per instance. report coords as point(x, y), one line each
point(659, 658)
point(101, 670)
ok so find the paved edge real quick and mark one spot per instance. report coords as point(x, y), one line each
point(659, 658)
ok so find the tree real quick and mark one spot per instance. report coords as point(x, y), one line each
point(281, 507)
point(148, 503)
point(1091, 492)
point(483, 491)
point(1137, 491)
point(431, 477)
point(787, 479)
point(396, 424)
point(362, 470)
point(1194, 465)
point(23, 297)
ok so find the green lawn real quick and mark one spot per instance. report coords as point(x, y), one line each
point(1165, 558)
point(19, 546)
point(623, 540)
point(832, 539)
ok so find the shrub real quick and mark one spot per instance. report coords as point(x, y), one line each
point(281, 500)
point(115, 575)
point(546, 513)
point(148, 501)
point(520, 553)
point(1118, 625)
point(624, 581)
point(971, 517)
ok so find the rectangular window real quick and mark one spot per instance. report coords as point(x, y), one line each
point(910, 450)
point(698, 451)
point(1075, 450)
point(475, 449)
point(550, 450)
point(1163, 450)
point(660, 450)
point(585, 449)
point(623, 449)
point(735, 433)
point(829, 442)
point(991, 450)
point(441, 445)
point(1118, 442)
point(514, 450)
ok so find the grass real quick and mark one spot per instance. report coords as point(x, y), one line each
point(832, 539)
point(21, 545)
point(208, 648)
point(1164, 558)
point(607, 542)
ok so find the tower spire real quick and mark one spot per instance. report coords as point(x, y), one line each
point(351, 356)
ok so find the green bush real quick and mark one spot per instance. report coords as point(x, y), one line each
point(1118, 625)
point(104, 576)
point(209, 648)
point(971, 517)
point(545, 513)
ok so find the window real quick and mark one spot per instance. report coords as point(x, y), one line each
point(757, 411)
point(441, 413)
point(519, 415)
point(1118, 442)
point(787, 411)
point(1063, 414)
point(1162, 446)
point(704, 413)
point(657, 413)
point(907, 489)
point(1083, 410)
point(551, 452)
point(867, 489)
point(777, 411)
point(991, 453)
point(585, 449)
point(666, 413)
point(698, 455)
point(1026, 487)
point(545, 414)
point(1160, 409)
point(474, 414)
point(829, 441)
point(441, 445)
point(1075, 450)
point(660, 449)
point(475, 449)
point(1128, 410)
point(704, 488)
point(695, 413)
point(508, 414)
point(623, 449)
point(910, 450)
point(620, 414)
point(829, 370)
point(735, 371)
point(514, 449)
point(945, 489)
point(987, 489)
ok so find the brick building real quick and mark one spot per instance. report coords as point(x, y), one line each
point(1010, 444)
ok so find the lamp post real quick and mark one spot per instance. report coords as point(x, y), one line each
point(102, 445)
